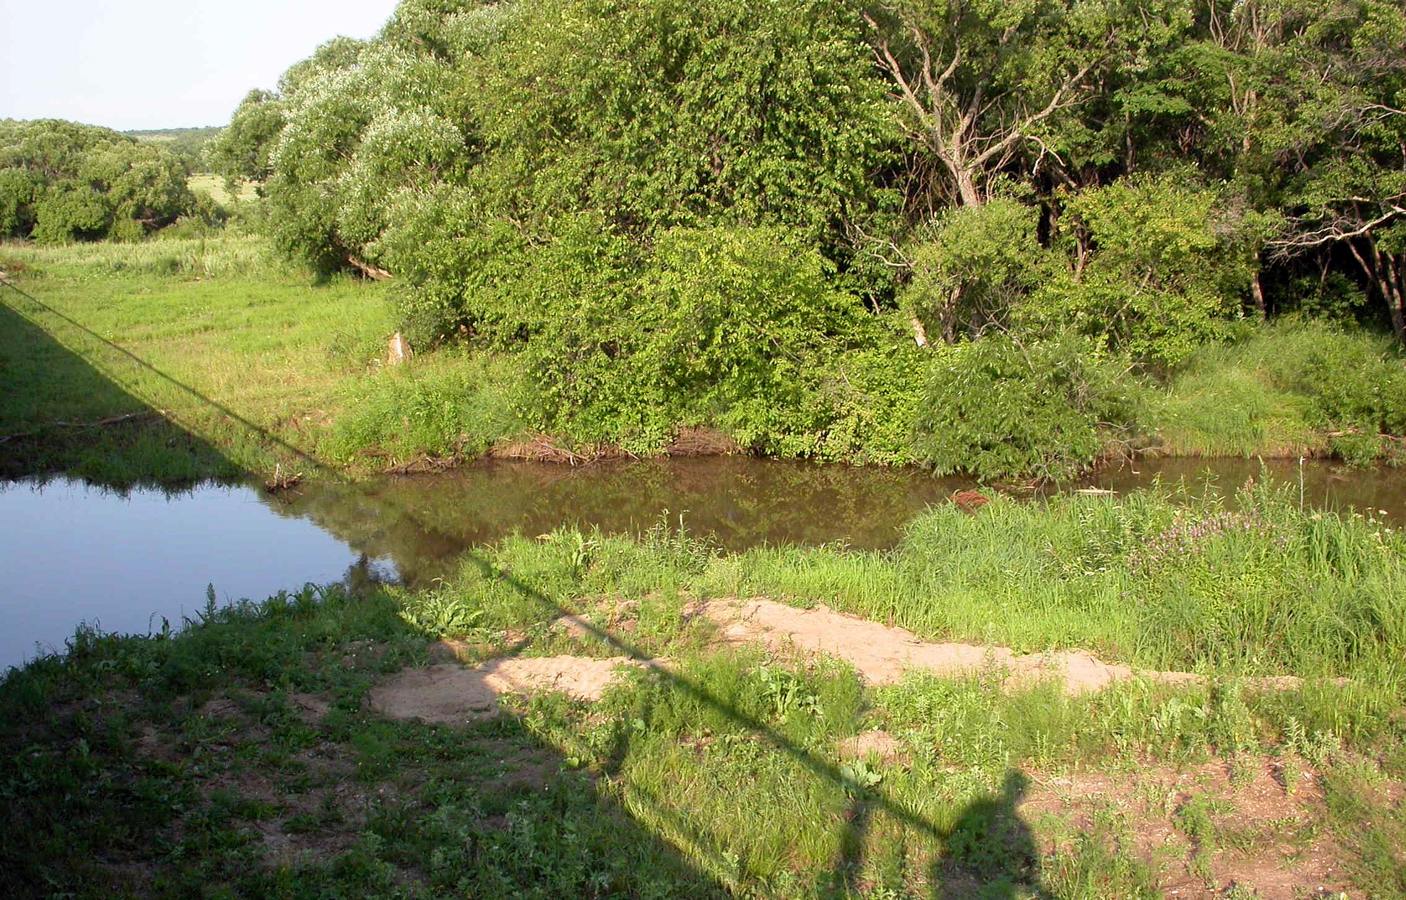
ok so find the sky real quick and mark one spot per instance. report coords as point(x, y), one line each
point(134, 64)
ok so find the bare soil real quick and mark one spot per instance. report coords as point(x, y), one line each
point(450, 693)
point(883, 654)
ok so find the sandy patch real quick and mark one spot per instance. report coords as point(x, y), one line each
point(1267, 838)
point(450, 693)
point(871, 744)
point(882, 654)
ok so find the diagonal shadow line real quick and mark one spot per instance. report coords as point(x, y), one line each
point(224, 410)
point(814, 762)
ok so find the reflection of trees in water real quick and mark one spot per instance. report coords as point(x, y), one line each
point(421, 520)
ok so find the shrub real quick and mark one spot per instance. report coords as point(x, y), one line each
point(730, 327)
point(61, 182)
point(997, 407)
point(974, 265)
point(873, 397)
point(1158, 268)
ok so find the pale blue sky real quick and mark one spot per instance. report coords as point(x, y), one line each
point(160, 63)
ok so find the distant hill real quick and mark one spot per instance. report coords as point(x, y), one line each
point(186, 143)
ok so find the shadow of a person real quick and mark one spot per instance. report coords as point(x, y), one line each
point(991, 851)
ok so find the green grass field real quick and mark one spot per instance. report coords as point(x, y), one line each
point(228, 360)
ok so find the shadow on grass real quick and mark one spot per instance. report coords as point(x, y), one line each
point(62, 415)
point(989, 852)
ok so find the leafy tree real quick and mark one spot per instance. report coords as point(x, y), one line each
point(974, 264)
point(979, 83)
point(61, 181)
point(1157, 266)
point(241, 151)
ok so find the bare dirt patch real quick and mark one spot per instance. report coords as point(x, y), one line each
point(871, 744)
point(450, 693)
point(883, 654)
point(700, 441)
point(1265, 836)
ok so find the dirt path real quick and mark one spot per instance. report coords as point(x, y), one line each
point(452, 694)
point(882, 654)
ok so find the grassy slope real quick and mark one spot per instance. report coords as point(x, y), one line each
point(241, 756)
point(244, 356)
point(208, 333)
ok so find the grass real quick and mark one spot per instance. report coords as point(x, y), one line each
point(239, 756)
point(213, 186)
point(1287, 390)
point(208, 343)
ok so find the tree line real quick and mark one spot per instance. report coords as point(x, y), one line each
point(62, 181)
point(897, 230)
point(1178, 157)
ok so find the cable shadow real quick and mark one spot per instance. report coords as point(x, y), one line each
point(994, 817)
point(61, 413)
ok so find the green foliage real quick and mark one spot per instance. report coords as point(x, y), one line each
point(974, 265)
point(241, 150)
point(1282, 390)
point(186, 144)
point(999, 407)
point(1157, 269)
point(62, 182)
point(725, 327)
point(439, 406)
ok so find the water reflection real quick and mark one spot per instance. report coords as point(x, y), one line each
point(74, 553)
point(422, 522)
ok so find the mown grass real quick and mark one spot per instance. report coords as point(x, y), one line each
point(238, 756)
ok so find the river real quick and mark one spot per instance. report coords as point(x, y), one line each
point(124, 561)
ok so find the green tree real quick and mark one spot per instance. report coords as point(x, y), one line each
point(241, 151)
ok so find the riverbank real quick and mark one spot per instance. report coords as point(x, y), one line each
point(183, 359)
point(490, 735)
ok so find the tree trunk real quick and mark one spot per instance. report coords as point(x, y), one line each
point(966, 186)
point(1394, 289)
point(920, 334)
point(1257, 291)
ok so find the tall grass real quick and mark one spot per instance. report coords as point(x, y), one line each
point(1290, 389)
point(222, 254)
point(447, 404)
point(1162, 578)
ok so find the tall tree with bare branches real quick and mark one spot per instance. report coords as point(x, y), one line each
point(979, 83)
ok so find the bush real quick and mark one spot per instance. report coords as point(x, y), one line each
point(1158, 268)
point(973, 266)
point(61, 182)
point(997, 407)
point(729, 327)
point(873, 397)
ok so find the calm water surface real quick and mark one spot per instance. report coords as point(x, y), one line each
point(71, 553)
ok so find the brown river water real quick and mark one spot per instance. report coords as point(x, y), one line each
point(123, 562)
